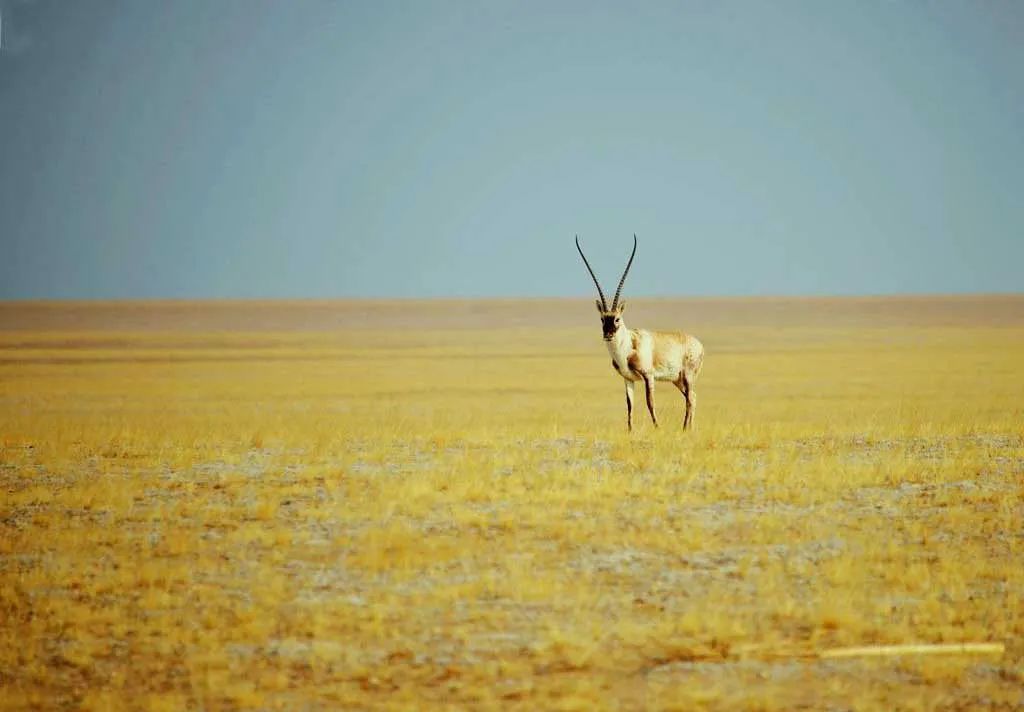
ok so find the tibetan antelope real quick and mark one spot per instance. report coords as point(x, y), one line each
point(648, 356)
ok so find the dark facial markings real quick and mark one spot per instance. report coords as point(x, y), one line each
point(609, 325)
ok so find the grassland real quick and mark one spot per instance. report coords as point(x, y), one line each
point(381, 505)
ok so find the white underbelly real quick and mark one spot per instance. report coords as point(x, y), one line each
point(664, 372)
point(667, 370)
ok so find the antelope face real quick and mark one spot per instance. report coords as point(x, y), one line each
point(611, 321)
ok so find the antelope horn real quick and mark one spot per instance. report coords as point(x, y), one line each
point(615, 302)
point(604, 303)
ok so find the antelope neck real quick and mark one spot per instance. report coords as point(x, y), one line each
point(620, 345)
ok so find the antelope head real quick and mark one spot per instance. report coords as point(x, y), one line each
point(611, 317)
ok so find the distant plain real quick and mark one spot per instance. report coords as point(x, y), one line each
point(394, 504)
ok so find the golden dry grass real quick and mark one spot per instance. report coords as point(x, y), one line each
point(374, 505)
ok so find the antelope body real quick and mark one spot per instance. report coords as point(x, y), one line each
point(645, 356)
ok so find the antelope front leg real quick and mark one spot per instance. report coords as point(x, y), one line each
point(649, 387)
point(629, 405)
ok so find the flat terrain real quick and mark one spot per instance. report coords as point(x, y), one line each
point(376, 505)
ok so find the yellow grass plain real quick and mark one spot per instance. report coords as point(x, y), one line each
point(416, 505)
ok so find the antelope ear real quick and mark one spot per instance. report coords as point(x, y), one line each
point(600, 307)
point(622, 307)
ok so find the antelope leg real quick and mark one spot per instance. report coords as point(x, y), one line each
point(649, 387)
point(629, 404)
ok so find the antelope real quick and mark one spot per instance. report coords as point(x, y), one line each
point(648, 356)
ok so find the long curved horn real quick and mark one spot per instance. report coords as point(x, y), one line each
point(604, 303)
point(615, 302)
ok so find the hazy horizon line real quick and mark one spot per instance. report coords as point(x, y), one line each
point(503, 298)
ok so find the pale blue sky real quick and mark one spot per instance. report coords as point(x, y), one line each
point(420, 149)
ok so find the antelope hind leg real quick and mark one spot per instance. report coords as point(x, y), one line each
point(649, 388)
point(691, 401)
point(685, 386)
